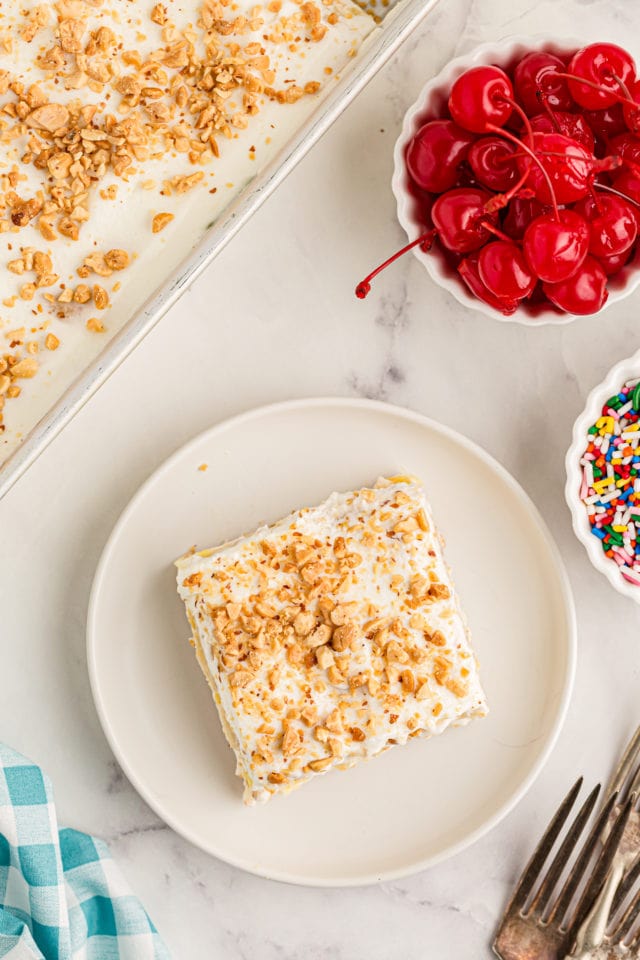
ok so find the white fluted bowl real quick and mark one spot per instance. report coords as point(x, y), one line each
point(628, 369)
point(429, 105)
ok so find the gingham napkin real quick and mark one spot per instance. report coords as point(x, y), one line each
point(61, 895)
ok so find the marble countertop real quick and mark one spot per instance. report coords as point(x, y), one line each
point(232, 343)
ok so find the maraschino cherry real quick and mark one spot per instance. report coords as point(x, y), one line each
point(612, 222)
point(520, 212)
point(494, 163)
point(556, 245)
point(537, 80)
point(571, 125)
point(505, 272)
point(568, 165)
point(434, 155)
point(469, 272)
point(598, 75)
point(584, 292)
point(481, 99)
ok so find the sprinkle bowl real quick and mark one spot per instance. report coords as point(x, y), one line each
point(623, 372)
point(428, 105)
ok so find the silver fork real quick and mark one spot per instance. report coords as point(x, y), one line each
point(626, 783)
point(608, 932)
point(611, 931)
point(540, 923)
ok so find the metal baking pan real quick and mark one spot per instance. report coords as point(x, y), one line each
point(398, 21)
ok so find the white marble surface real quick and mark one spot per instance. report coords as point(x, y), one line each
point(272, 320)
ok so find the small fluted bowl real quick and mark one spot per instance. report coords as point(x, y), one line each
point(429, 105)
point(628, 369)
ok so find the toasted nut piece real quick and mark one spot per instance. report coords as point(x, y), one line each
point(95, 325)
point(5, 383)
point(408, 681)
point(265, 609)
point(357, 734)
point(421, 517)
point(324, 657)
point(51, 117)
point(343, 613)
point(241, 678)
point(311, 572)
point(51, 342)
point(160, 221)
point(321, 734)
point(419, 587)
point(438, 638)
point(439, 591)
point(117, 259)
point(319, 765)
point(291, 741)
point(27, 368)
point(457, 688)
point(343, 637)
point(82, 293)
point(275, 778)
point(395, 653)
point(319, 636)
point(304, 623)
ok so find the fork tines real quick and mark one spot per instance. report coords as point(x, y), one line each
point(535, 901)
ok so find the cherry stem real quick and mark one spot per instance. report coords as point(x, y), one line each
point(425, 240)
point(594, 195)
point(547, 109)
point(491, 228)
point(523, 146)
point(518, 109)
point(612, 162)
point(501, 200)
point(600, 87)
point(618, 193)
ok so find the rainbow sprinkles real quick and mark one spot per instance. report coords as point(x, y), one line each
point(610, 486)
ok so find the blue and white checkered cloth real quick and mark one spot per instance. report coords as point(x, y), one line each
point(61, 895)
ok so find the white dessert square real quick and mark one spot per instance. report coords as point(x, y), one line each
point(331, 635)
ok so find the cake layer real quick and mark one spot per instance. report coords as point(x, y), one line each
point(331, 635)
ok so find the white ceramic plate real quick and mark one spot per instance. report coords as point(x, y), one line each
point(416, 804)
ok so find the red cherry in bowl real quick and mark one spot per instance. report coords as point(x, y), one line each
point(612, 222)
point(603, 66)
point(572, 125)
point(567, 163)
point(536, 81)
point(606, 123)
point(459, 217)
point(505, 272)
point(520, 212)
point(627, 146)
point(631, 112)
point(555, 248)
point(493, 163)
point(469, 272)
point(585, 292)
point(480, 98)
point(435, 154)
point(628, 183)
point(613, 265)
